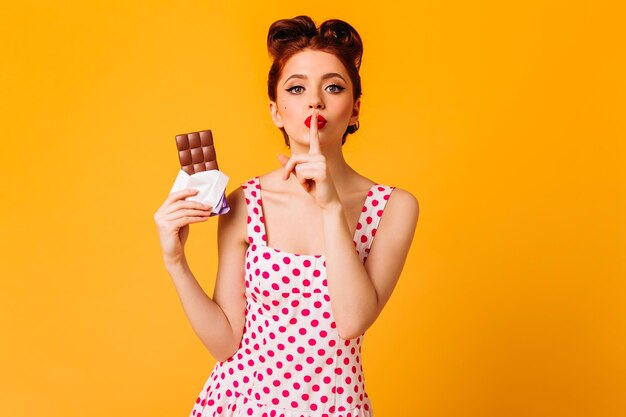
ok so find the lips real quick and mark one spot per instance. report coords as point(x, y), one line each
point(321, 122)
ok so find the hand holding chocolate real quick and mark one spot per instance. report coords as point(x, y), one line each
point(199, 170)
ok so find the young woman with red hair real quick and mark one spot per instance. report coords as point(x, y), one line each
point(294, 294)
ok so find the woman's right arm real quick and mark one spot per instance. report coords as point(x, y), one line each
point(218, 322)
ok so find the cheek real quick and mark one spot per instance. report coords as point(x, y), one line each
point(285, 109)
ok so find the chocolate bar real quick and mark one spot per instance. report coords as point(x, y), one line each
point(199, 171)
point(196, 151)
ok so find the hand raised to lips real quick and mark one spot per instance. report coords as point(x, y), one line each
point(314, 137)
point(321, 121)
point(311, 169)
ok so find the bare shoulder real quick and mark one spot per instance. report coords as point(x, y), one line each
point(399, 220)
point(236, 200)
point(403, 203)
point(236, 220)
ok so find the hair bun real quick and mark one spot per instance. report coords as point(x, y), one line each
point(285, 31)
point(338, 32)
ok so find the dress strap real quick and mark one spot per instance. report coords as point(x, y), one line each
point(256, 223)
point(371, 213)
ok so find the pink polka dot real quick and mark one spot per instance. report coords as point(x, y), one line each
point(290, 356)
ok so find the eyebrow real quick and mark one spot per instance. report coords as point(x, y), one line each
point(325, 76)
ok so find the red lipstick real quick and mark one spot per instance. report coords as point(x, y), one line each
point(321, 122)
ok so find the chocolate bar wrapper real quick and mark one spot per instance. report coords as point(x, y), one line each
point(211, 186)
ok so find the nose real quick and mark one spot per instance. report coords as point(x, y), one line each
point(315, 102)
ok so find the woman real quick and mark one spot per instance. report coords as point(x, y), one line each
point(294, 294)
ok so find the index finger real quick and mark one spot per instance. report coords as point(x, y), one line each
point(178, 195)
point(314, 138)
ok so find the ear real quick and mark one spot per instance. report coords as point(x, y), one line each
point(355, 113)
point(278, 122)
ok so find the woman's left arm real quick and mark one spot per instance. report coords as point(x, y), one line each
point(359, 291)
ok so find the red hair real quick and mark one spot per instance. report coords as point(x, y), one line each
point(287, 37)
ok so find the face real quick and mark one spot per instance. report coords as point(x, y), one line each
point(314, 80)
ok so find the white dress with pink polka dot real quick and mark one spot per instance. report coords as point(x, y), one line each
point(291, 361)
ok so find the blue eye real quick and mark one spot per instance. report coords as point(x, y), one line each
point(294, 87)
point(339, 88)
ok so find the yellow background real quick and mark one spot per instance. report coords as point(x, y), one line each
point(506, 121)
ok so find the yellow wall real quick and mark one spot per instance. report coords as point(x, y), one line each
point(506, 121)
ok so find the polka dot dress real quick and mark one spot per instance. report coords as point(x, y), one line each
point(291, 361)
